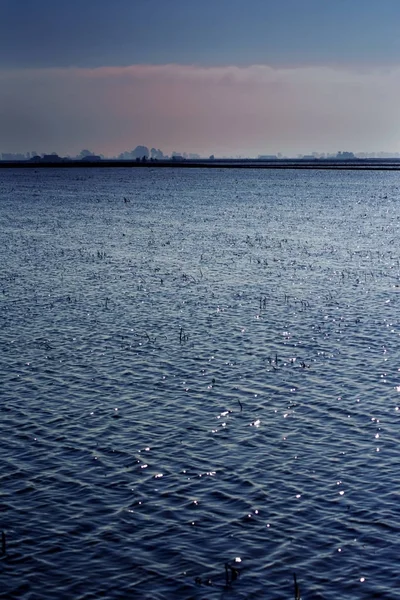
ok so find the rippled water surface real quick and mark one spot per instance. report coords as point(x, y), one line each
point(199, 367)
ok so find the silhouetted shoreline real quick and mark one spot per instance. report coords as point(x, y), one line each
point(353, 164)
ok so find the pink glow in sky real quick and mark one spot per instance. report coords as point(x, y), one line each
point(224, 110)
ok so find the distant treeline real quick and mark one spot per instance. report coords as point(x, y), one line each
point(232, 163)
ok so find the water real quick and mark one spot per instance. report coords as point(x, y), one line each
point(198, 368)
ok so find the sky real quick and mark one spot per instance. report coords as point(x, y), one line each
point(223, 77)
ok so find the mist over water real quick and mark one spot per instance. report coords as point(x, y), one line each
point(199, 367)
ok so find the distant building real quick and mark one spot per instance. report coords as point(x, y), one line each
point(345, 155)
point(12, 156)
point(51, 158)
point(91, 158)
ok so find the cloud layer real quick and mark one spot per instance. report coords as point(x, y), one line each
point(222, 110)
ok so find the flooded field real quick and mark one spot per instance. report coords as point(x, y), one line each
point(199, 384)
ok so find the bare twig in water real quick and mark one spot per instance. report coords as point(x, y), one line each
point(296, 588)
point(183, 337)
point(151, 340)
point(240, 404)
point(231, 574)
point(227, 578)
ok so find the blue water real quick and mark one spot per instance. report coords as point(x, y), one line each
point(199, 367)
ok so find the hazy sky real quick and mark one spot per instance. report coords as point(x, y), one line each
point(208, 76)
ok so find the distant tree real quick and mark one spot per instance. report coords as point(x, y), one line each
point(84, 153)
point(156, 154)
point(140, 151)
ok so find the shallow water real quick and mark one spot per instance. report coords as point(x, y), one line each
point(198, 368)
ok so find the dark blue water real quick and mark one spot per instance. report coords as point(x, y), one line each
point(199, 367)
